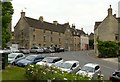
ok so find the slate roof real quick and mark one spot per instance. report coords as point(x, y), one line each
point(118, 19)
point(77, 32)
point(97, 24)
point(45, 25)
point(81, 32)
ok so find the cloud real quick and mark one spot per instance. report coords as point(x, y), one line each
point(83, 13)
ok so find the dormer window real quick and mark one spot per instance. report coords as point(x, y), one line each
point(68, 30)
point(74, 33)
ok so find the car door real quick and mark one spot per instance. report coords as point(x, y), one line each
point(73, 68)
point(19, 57)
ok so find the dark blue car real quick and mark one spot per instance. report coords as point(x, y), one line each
point(31, 59)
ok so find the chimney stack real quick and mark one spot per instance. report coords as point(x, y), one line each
point(82, 29)
point(55, 22)
point(114, 15)
point(22, 14)
point(110, 11)
point(41, 18)
point(73, 26)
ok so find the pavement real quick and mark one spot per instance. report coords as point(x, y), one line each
point(113, 60)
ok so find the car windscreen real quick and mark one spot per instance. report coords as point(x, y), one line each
point(66, 65)
point(30, 58)
point(48, 60)
point(87, 69)
point(11, 55)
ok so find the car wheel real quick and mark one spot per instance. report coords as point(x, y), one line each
point(13, 63)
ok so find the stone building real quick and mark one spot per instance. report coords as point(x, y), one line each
point(30, 32)
point(106, 30)
point(91, 36)
point(80, 39)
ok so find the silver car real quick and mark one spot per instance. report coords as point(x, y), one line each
point(14, 57)
point(50, 61)
point(69, 66)
point(90, 70)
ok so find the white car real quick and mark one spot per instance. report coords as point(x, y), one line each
point(90, 70)
point(14, 57)
point(50, 61)
point(36, 50)
point(69, 66)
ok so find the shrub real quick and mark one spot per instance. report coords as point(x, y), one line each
point(37, 72)
point(107, 48)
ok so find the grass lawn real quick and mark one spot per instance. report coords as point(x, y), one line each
point(13, 73)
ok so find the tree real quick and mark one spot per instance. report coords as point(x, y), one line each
point(7, 12)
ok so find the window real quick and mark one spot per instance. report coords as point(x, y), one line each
point(34, 45)
point(59, 40)
point(116, 37)
point(33, 29)
point(39, 45)
point(44, 39)
point(59, 34)
point(74, 65)
point(51, 39)
point(68, 30)
point(44, 45)
point(96, 68)
point(74, 33)
point(44, 31)
point(59, 46)
point(33, 37)
point(21, 55)
point(51, 32)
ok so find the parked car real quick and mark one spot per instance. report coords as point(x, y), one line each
point(62, 50)
point(50, 61)
point(115, 76)
point(46, 50)
point(51, 49)
point(90, 70)
point(24, 50)
point(14, 57)
point(36, 50)
point(31, 59)
point(7, 50)
point(69, 66)
point(15, 51)
point(57, 49)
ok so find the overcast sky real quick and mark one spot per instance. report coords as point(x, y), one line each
point(82, 13)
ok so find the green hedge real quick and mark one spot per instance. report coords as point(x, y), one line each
point(107, 49)
point(37, 72)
